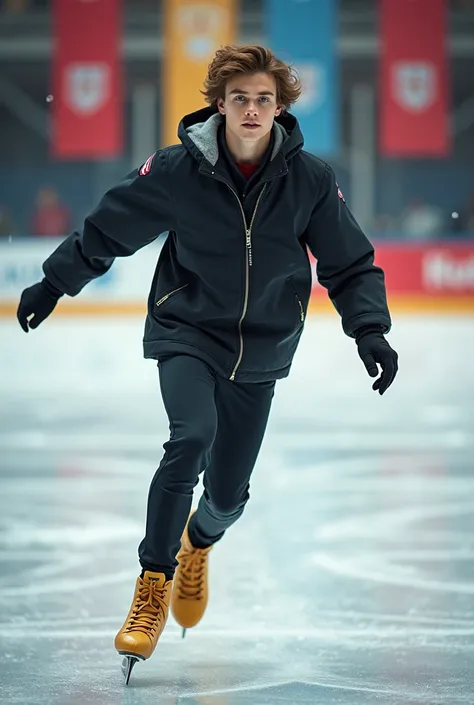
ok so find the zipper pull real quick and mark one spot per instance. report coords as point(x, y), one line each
point(162, 300)
point(301, 311)
point(249, 247)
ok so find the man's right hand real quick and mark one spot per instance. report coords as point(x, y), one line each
point(40, 300)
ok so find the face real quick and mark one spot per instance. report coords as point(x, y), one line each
point(47, 197)
point(250, 106)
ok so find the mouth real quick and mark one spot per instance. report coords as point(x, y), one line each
point(250, 125)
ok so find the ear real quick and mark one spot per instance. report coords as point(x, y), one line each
point(278, 110)
point(220, 106)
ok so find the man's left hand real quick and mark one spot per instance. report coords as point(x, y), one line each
point(374, 349)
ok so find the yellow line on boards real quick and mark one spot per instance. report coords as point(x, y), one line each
point(397, 304)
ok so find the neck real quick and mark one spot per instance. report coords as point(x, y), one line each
point(247, 152)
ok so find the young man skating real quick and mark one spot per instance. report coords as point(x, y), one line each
point(242, 203)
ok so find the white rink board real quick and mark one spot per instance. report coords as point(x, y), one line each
point(127, 280)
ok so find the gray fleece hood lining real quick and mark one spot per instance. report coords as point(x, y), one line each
point(204, 136)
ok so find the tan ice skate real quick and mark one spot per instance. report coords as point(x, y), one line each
point(138, 637)
point(190, 592)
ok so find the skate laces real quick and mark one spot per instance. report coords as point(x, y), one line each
point(193, 564)
point(150, 607)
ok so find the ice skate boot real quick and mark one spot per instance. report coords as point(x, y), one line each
point(138, 637)
point(190, 592)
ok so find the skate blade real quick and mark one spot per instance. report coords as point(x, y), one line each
point(183, 633)
point(128, 663)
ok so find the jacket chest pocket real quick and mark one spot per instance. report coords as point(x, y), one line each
point(167, 296)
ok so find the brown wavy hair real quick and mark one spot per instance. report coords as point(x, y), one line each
point(234, 60)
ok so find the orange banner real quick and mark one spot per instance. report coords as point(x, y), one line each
point(194, 30)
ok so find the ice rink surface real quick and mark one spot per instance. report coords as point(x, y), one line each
point(349, 579)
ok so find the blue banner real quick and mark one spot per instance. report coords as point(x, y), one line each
point(303, 33)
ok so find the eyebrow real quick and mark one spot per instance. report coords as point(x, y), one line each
point(237, 92)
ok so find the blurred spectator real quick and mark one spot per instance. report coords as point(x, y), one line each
point(15, 6)
point(421, 221)
point(51, 217)
point(6, 224)
point(384, 225)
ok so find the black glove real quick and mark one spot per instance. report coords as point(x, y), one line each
point(40, 299)
point(373, 349)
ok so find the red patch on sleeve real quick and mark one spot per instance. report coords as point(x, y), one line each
point(146, 168)
point(339, 193)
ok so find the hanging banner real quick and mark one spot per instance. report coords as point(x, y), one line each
point(194, 30)
point(304, 35)
point(86, 103)
point(414, 109)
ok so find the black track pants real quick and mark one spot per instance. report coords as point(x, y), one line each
point(216, 427)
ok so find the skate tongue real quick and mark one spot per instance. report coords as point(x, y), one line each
point(159, 578)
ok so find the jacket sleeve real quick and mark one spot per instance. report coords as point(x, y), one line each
point(345, 261)
point(129, 216)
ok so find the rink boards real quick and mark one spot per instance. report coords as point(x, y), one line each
point(421, 278)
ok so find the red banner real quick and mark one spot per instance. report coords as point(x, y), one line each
point(414, 110)
point(87, 82)
point(434, 270)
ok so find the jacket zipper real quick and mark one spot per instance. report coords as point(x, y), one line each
point(166, 296)
point(248, 264)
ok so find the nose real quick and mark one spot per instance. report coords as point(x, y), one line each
point(251, 109)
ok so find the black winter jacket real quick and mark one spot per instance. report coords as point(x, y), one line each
point(233, 279)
